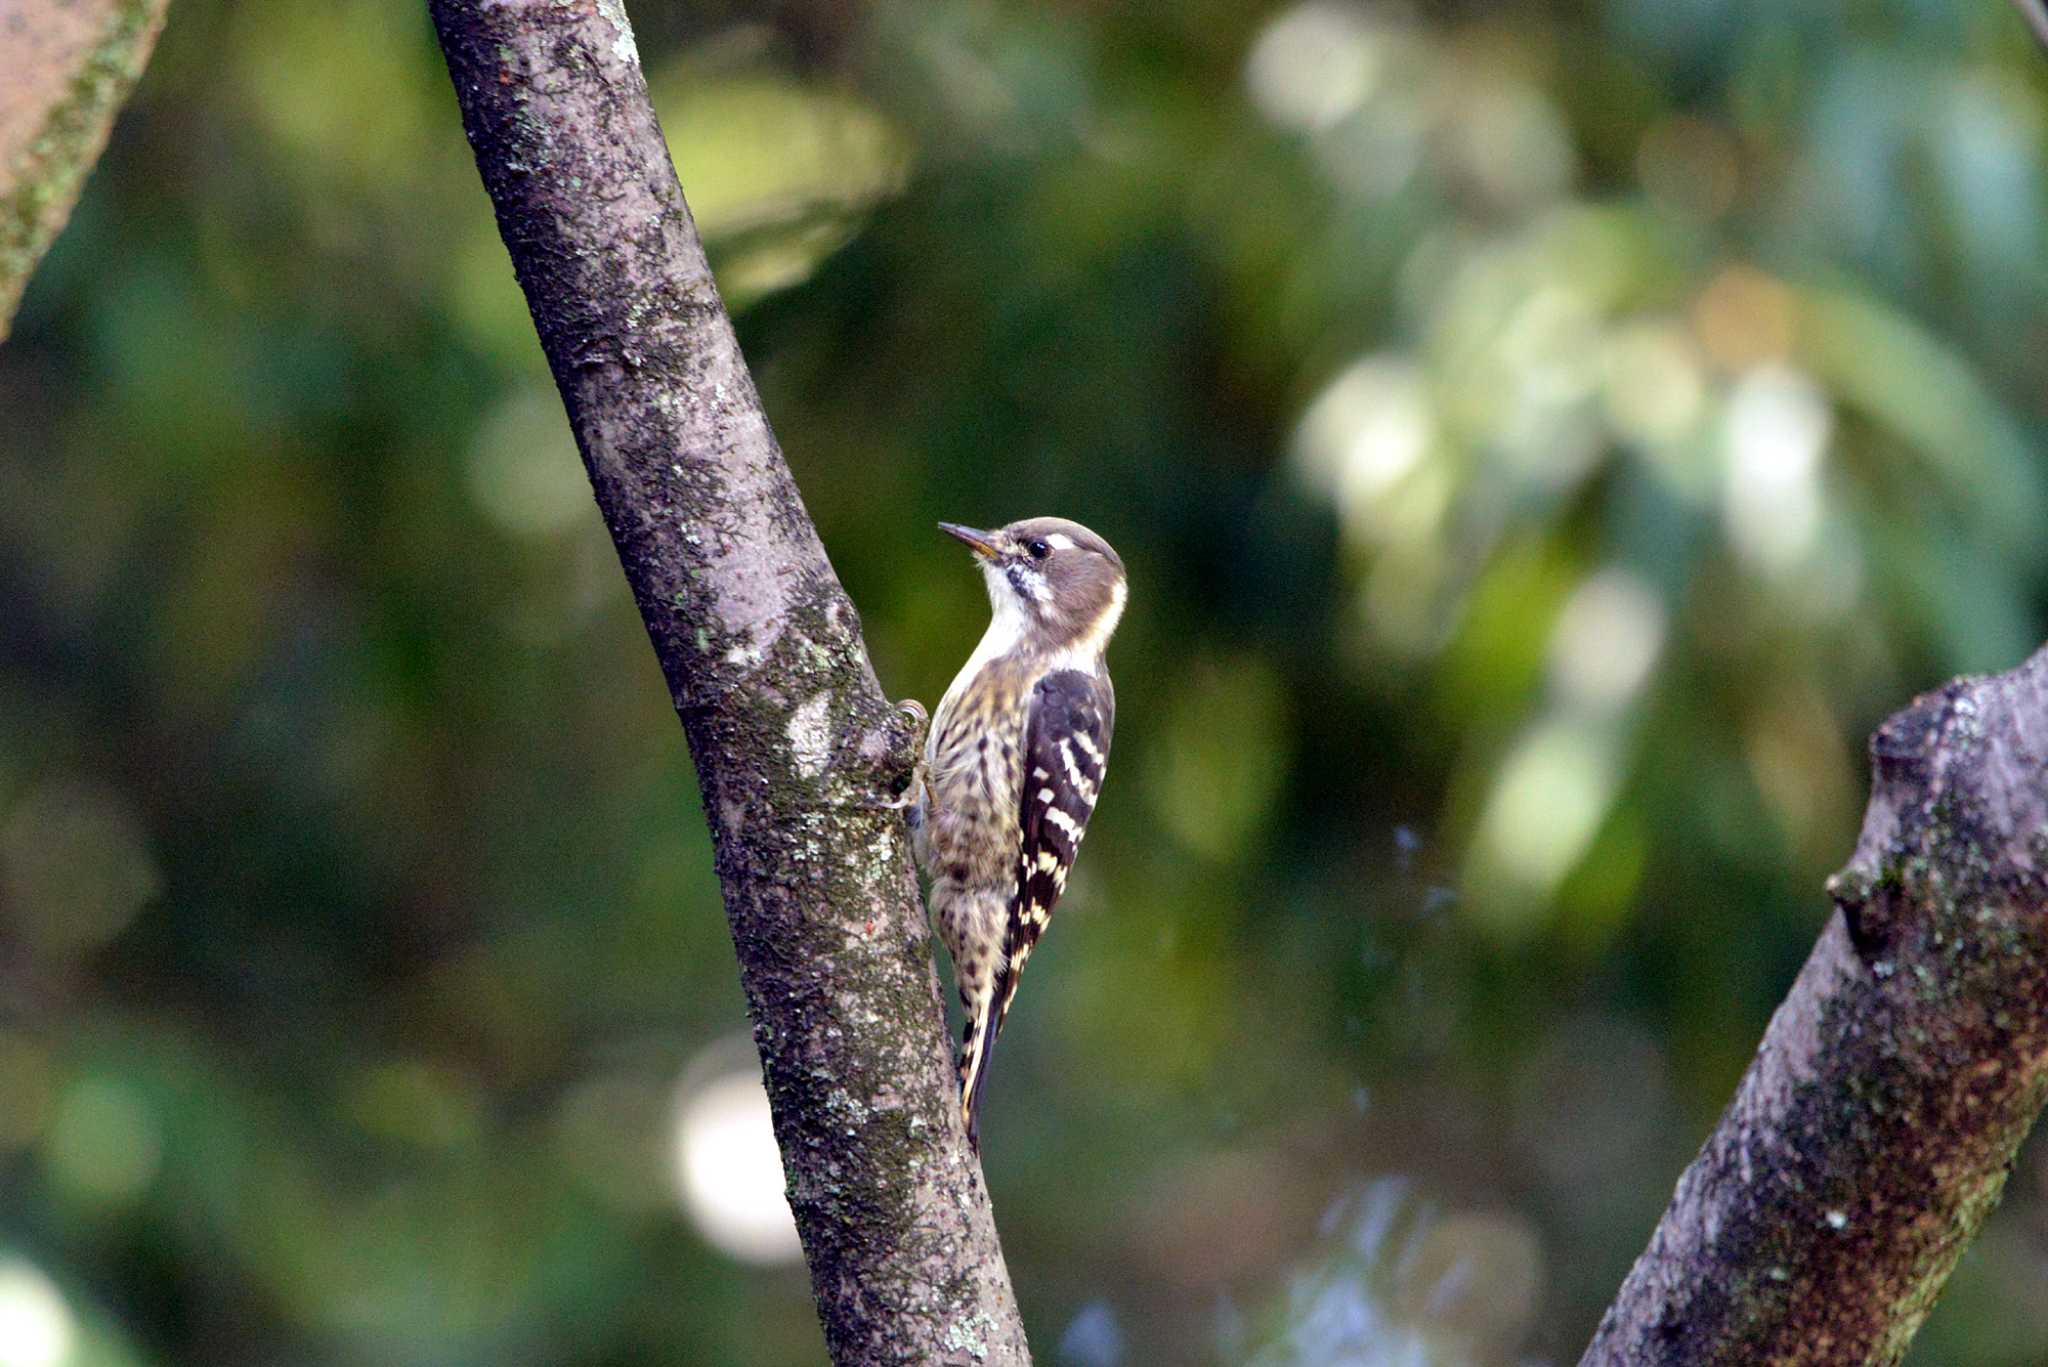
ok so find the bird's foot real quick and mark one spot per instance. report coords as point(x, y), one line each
point(901, 749)
point(906, 802)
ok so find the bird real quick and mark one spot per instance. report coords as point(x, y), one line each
point(1013, 764)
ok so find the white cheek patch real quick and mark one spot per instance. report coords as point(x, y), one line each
point(1033, 583)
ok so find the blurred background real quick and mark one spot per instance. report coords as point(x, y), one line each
point(1545, 440)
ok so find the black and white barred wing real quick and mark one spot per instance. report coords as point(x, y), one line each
point(1066, 754)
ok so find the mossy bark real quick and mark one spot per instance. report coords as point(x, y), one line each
point(1873, 1133)
point(795, 744)
point(66, 68)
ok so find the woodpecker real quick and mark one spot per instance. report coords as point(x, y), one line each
point(1014, 762)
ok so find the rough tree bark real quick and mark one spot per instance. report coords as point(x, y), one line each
point(1875, 1128)
point(764, 658)
point(66, 68)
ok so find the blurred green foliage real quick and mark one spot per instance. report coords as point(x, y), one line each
point(1545, 441)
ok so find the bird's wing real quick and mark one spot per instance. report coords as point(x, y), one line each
point(1066, 754)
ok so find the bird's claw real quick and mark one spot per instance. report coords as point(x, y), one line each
point(909, 721)
point(918, 722)
point(915, 719)
point(904, 803)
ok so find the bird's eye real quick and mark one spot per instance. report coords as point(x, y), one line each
point(1039, 550)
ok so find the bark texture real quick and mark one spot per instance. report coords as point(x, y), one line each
point(66, 68)
point(764, 658)
point(1875, 1128)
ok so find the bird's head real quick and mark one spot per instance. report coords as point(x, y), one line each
point(1059, 582)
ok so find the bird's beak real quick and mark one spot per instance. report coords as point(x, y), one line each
point(978, 542)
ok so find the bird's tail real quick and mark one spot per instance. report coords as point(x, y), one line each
point(984, 1022)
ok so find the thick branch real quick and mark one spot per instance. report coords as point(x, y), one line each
point(66, 67)
point(1873, 1132)
point(764, 658)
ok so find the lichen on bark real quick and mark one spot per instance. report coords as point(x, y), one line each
point(796, 747)
point(1873, 1133)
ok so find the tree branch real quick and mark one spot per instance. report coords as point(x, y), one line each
point(66, 68)
point(1875, 1128)
point(2036, 16)
point(764, 658)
